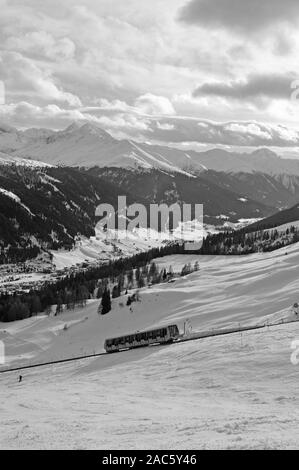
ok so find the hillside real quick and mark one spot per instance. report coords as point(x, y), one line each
point(220, 203)
point(49, 206)
point(286, 216)
point(234, 281)
point(280, 191)
point(226, 392)
point(221, 393)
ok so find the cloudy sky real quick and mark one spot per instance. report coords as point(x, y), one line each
point(191, 73)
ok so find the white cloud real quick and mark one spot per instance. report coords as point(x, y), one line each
point(24, 78)
point(43, 44)
point(251, 129)
point(147, 104)
point(131, 66)
point(165, 126)
point(152, 104)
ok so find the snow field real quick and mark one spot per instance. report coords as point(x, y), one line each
point(237, 391)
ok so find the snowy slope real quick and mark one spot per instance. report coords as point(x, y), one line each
point(245, 290)
point(231, 392)
point(97, 248)
point(89, 146)
point(237, 391)
point(6, 159)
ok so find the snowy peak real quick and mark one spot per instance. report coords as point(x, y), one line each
point(90, 129)
point(86, 130)
point(72, 128)
point(85, 144)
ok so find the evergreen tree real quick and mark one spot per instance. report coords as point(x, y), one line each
point(59, 306)
point(106, 302)
point(140, 282)
point(115, 292)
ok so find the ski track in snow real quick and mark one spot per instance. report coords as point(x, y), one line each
point(233, 392)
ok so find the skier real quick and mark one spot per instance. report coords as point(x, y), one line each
point(20, 378)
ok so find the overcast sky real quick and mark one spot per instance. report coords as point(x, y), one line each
point(193, 73)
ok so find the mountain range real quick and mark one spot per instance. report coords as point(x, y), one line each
point(52, 181)
point(88, 145)
point(48, 207)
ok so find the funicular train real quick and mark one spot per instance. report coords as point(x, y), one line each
point(164, 335)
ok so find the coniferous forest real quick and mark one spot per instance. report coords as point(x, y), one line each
point(75, 289)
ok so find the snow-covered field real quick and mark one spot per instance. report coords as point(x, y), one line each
point(231, 392)
point(236, 391)
point(101, 248)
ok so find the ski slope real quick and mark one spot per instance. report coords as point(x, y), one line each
point(226, 291)
point(236, 391)
point(231, 392)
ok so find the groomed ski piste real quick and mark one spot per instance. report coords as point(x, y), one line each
point(229, 391)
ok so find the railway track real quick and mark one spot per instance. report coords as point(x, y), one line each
point(192, 337)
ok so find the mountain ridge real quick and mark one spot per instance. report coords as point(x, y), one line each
point(86, 144)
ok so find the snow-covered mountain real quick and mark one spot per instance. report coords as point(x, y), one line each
point(109, 167)
point(88, 145)
point(12, 139)
point(47, 207)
